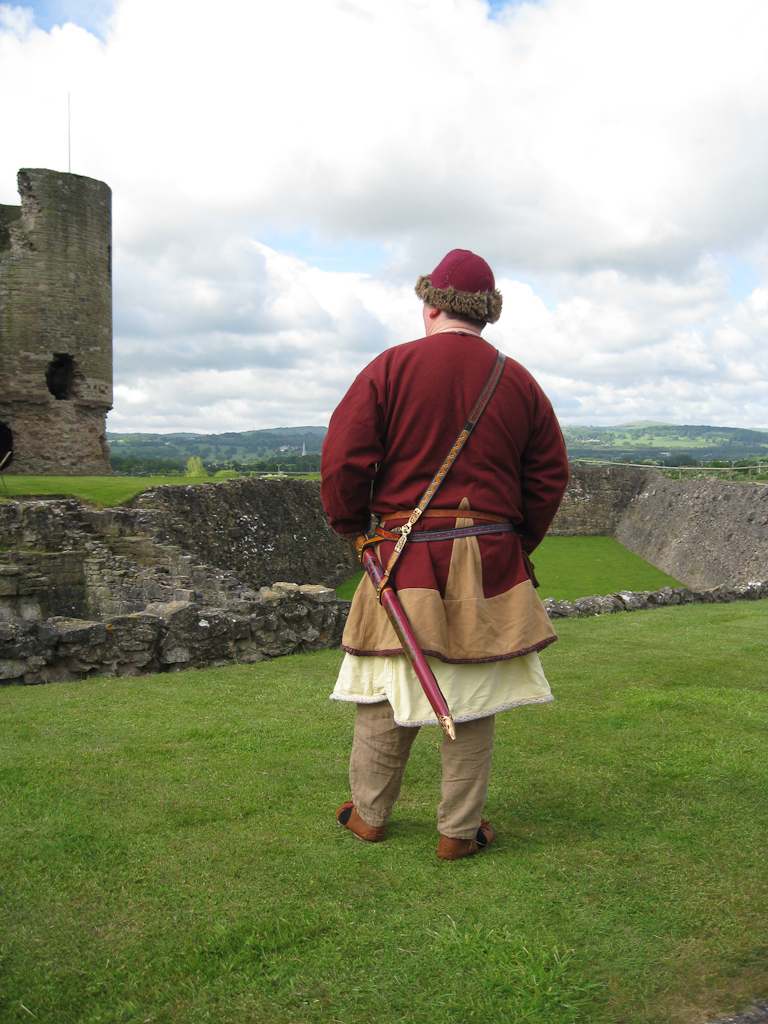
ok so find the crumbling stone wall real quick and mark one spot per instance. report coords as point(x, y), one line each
point(283, 619)
point(158, 577)
point(110, 592)
point(63, 558)
point(260, 530)
point(209, 544)
point(56, 325)
point(596, 499)
point(704, 532)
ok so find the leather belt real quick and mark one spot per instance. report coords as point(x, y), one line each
point(491, 523)
point(425, 536)
point(443, 513)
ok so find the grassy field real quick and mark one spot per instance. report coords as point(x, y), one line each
point(664, 440)
point(169, 852)
point(571, 567)
point(102, 491)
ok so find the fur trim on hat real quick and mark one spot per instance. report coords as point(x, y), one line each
point(476, 305)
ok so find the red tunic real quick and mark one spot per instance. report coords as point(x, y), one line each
point(385, 442)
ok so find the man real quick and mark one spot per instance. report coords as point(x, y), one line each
point(469, 599)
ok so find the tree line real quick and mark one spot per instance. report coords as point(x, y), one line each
point(138, 465)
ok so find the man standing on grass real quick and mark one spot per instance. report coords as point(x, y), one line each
point(468, 597)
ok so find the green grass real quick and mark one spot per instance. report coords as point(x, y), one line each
point(97, 490)
point(169, 852)
point(102, 491)
point(571, 567)
point(347, 589)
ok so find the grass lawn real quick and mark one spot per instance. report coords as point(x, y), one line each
point(97, 490)
point(169, 852)
point(102, 491)
point(571, 567)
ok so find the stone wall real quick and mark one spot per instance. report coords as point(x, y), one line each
point(115, 592)
point(703, 532)
point(183, 578)
point(261, 530)
point(117, 562)
point(645, 600)
point(208, 543)
point(283, 619)
point(596, 499)
point(56, 325)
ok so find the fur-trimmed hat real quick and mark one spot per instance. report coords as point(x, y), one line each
point(462, 283)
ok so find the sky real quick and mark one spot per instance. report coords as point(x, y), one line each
point(283, 173)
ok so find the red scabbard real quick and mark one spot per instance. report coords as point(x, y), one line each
point(411, 649)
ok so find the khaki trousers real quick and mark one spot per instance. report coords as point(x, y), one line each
point(380, 752)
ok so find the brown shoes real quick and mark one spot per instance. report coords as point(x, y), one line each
point(455, 849)
point(447, 848)
point(349, 818)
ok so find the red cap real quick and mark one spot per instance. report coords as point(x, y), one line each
point(464, 271)
point(462, 283)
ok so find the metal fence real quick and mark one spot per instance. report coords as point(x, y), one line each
point(744, 473)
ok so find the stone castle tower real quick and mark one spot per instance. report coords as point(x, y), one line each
point(56, 325)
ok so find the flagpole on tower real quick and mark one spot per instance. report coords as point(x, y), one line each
point(69, 136)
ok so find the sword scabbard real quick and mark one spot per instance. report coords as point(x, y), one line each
point(402, 627)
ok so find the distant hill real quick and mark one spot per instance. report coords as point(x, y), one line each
point(246, 446)
point(645, 439)
point(649, 440)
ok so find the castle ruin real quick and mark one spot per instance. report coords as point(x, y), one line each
point(56, 326)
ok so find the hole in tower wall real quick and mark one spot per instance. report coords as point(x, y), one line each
point(6, 446)
point(60, 376)
point(8, 214)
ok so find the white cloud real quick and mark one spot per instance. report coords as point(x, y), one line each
point(17, 21)
point(248, 336)
point(605, 153)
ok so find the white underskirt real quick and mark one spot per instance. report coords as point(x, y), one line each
point(471, 691)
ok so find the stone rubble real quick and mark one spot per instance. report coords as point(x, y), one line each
point(633, 600)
